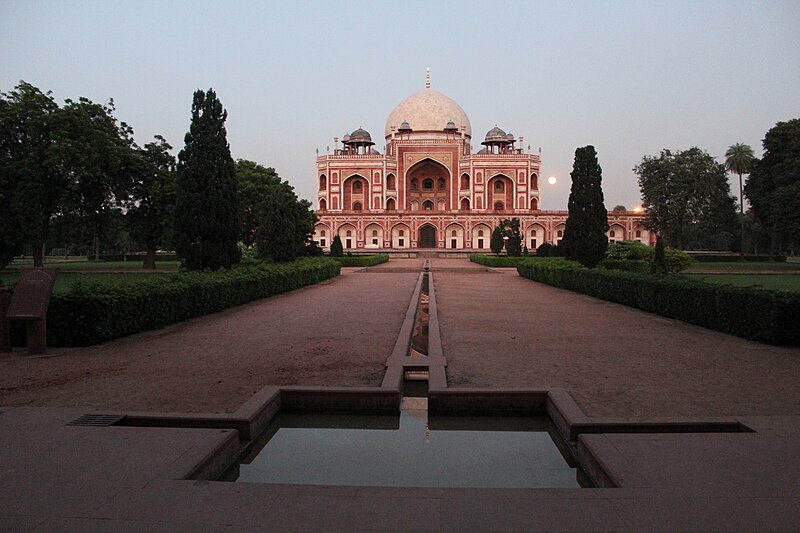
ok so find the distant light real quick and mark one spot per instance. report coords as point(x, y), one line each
point(637, 209)
point(552, 180)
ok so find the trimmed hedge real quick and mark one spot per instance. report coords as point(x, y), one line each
point(132, 257)
point(90, 314)
point(757, 314)
point(361, 260)
point(733, 258)
point(497, 261)
point(626, 265)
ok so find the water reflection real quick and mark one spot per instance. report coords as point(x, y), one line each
point(409, 451)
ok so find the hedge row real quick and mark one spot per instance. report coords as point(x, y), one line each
point(133, 257)
point(497, 261)
point(362, 260)
point(757, 314)
point(90, 313)
point(732, 258)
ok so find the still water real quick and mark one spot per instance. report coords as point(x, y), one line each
point(409, 451)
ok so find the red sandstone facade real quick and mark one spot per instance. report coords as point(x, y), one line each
point(429, 190)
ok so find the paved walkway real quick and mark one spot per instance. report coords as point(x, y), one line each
point(498, 330)
point(501, 330)
point(339, 332)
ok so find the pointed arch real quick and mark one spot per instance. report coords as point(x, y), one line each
point(401, 236)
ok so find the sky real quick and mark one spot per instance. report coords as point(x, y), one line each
point(630, 78)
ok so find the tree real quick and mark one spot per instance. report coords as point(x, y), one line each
point(738, 160)
point(497, 242)
point(585, 238)
point(659, 264)
point(336, 247)
point(773, 187)
point(151, 212)
point(620, 208)
point(32, 183)
point(99, 156)
point(684, 191)
point(255, 184)
point(287, 224)
point(511, 236)
point(207, 200)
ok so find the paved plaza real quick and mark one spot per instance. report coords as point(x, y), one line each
point(498, 331)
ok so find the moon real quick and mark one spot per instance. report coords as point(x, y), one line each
point(552, 180)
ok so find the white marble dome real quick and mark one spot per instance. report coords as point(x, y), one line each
point(428, 110)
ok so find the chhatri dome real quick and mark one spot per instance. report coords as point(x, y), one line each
point(428, 110)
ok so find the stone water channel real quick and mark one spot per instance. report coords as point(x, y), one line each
point(413, 449)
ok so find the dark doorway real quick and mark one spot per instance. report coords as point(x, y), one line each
point(427, 237)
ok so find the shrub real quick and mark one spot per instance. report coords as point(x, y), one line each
point(362, 260)
point(91, 313)
point(677, 261)
point(757, 314)
point(630, 250)
point(626, 265)
point(497, 261)
point(337, 250)
point(546, 250)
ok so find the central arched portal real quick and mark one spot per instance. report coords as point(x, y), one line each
point(427, 237)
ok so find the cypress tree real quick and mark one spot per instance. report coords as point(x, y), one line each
point(585, 238)
point(497, 242)
point(337, 250)
point(207, 200)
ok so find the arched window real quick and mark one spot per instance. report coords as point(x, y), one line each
point(465, 204)
point(374, 233)
point(349, 233)
point(465, 181)
point(400, 233)
point(454, 233)
point(356, 206)
point(390, 204)
point(534, 204)
point(323, 182)
point(414, 184)
point(611, 234)
point(560, 233)
point(534, 181)
point(499, 185)
point(357, 185)
point(442, 184)
point(322, 233)
point(480, 233)
point(498, 206)
point(427, 205)
point(638, 233)
point(390, 182)
point(323, 204)
point(427, 184)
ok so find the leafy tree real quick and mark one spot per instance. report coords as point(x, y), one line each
point(98, 153)
point(32, 184)
point(773, 187)
point(620, 208)
point(151, 213)
point(687, 190)
point(255, 184)
point(585, 238)
point(545, 250)
point(287, 224)
point(497, 242)
point(739, 159)
point(207, 201)
point(337, 250)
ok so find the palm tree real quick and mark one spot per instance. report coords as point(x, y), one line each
point(738, 160)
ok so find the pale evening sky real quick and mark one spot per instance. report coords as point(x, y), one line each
point(630, 78)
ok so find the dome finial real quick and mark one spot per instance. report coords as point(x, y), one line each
point(427, 77)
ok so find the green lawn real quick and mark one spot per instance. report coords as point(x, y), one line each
point(779, 282)
point(95, 265)
point(65, 280)
point(744, 266)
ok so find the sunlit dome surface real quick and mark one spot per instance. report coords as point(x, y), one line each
point(428, 110)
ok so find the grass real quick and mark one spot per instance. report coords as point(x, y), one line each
point(745, 266)
point(65, 280)
point(95, 265)
point(494, 261)
point(777, 282)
